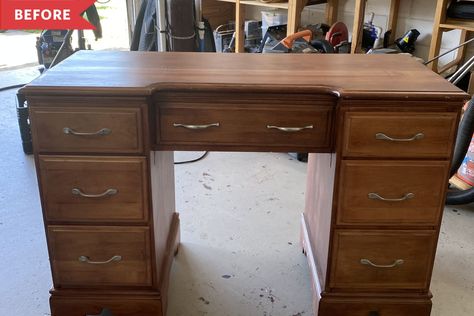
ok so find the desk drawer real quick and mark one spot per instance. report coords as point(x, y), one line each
point(100, 256)
point(107, 189)
point(399, 134)
point(87, 129)
point(382, 260)
point(302, 127)
point(392, 192)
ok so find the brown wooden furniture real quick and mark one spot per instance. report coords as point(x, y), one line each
point(380, 129)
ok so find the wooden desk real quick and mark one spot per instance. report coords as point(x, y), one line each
point(381, 128)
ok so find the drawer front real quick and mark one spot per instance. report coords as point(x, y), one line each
point(382, 260)
point(374, 307)
point(125, 305)
point(392, 192)
point(100, 256)
point(87, 129)
point(106, 189)
point(258, 127)
point(399, 134)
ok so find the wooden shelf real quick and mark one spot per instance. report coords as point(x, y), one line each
point(294, 8)
point(278, 5)
point(453, 24)
point(359, 15)
point(443, 24)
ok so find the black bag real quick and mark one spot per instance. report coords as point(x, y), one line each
point(461, 10)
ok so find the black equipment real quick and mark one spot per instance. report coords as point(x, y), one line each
point(54, 46)
point(272, 37)
point(48, 45)
point(463, 139)
point(407, 42)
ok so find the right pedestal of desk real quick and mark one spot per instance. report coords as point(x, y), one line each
point(374, 208)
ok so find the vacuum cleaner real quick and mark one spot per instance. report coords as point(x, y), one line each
point(463, 140)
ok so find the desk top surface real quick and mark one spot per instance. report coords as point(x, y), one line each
point(143, 73)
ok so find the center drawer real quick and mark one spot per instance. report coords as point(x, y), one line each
point(100, 256)
point(82, 189)
point(302, 127)
point(382, 259)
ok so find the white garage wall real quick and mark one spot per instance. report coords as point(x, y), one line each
point(417, 14)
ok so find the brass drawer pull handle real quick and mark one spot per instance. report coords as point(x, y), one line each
point(196, 126)
point(290, 129)
point(86, 259)
point(382, 136)
point(102, 132)
point(367, 262)
point(375, 196)
point(108, 192)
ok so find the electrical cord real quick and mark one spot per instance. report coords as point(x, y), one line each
point(12, 87)
point(176, 163)
point(15, 86)
point(193, 160)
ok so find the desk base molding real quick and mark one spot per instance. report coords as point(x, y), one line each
point(360, 306)
point(120, 305)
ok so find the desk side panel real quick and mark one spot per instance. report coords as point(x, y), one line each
point(318, 210)
point(163, 199)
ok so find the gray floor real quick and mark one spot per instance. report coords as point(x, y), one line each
point(239, 252)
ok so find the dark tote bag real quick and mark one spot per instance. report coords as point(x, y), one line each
point(461, 10)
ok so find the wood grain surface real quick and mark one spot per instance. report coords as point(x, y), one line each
point(99, 244)
point(391, 180)
point(347, 98)
point(123, 117)
point(94, 175)
point(437, 129)
point(383, 247)
point(143, 73)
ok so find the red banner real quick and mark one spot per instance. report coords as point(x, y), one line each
point(44, 14)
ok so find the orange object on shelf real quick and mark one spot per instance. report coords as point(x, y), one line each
point(466, 171)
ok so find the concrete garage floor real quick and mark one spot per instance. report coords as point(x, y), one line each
point(240, 230)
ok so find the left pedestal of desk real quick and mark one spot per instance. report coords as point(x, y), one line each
point(108, 205)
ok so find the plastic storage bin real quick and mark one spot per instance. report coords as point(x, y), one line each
point(272, 18)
